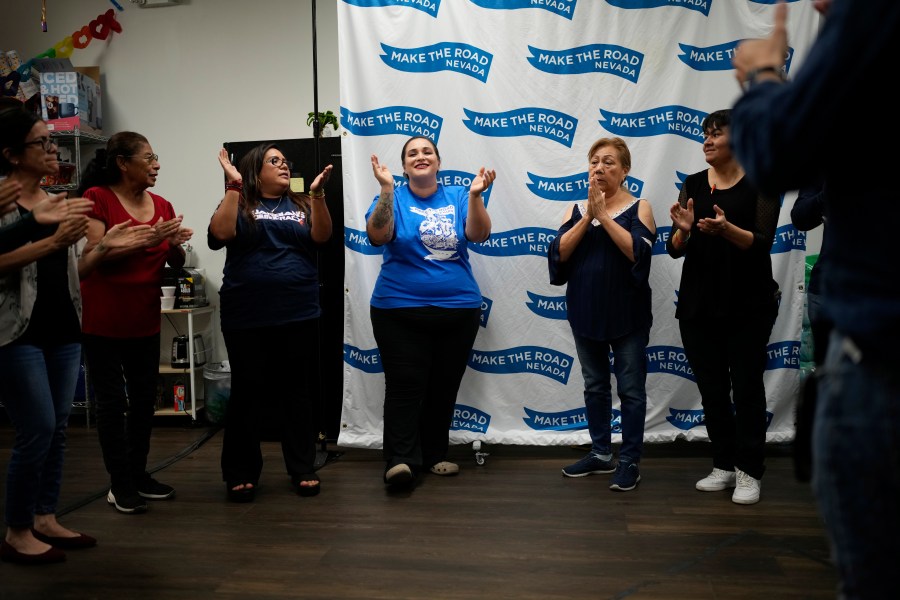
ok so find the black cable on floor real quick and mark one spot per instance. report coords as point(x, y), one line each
point(169, 461)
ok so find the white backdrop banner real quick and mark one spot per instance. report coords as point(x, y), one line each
point(525, 87)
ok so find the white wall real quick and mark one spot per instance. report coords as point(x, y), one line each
point(192, 76)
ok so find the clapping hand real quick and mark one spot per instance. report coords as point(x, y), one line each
point(714, 226)
point(126, 235)
point(56, 209)
point(171, 230)
point(683, 216)
point(483, 181)
point(71, 230)
point(10, 190)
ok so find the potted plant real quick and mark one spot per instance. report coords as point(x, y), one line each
point(324, 118)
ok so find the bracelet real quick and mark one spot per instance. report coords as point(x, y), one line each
point(317, 194)
point(685, 236)
point(751, 79)
point(236, 186)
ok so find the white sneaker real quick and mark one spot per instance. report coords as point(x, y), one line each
point(747, 490)
point(716, 481)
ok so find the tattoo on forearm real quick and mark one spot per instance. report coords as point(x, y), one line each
point(383, 215)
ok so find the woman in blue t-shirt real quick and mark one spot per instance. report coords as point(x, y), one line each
point(426, 305)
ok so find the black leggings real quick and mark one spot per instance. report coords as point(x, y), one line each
point(424, 352)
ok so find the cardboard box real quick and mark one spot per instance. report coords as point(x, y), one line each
point(70, 96)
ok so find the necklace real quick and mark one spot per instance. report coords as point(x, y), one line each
point(273, 209)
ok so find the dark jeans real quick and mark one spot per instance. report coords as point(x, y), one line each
point(271, 373)
point(856, 468)
point(728, 360)
point(630, 355)
point(37, 385)
point(424, 352)
point(124, 373)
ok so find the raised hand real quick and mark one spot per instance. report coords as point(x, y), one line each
point(382, 173)
point(321, 179)
point(483, 180)
point(764, 52)
point(231, 172)
point(596, 201)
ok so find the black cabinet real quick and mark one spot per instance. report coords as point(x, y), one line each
point(303, 154)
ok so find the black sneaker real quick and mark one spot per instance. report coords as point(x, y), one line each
point(588, 465)
point(153, 490)
point(127, 503)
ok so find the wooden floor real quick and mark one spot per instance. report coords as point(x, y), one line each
point(511, 528)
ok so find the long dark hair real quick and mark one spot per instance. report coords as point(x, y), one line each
point(250, 167)
point(103, 169)
point(15, 123)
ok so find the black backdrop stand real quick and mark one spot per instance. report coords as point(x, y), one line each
point(323, 456)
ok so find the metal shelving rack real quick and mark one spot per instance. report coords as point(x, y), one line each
point(75, 138)
point(194, 373)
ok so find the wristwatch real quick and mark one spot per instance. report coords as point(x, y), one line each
point(752, 75)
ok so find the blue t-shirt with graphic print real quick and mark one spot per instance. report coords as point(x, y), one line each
point(427, 261)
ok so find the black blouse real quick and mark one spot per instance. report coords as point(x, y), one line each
point(718, 279)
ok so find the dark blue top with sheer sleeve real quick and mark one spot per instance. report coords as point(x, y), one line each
point(608, 296)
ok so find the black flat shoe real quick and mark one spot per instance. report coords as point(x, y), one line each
point(307, 490)
point(243, 495)
point(11, 555)
point(66, 543)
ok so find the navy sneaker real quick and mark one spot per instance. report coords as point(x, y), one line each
point(626, 478)
point(588, 465)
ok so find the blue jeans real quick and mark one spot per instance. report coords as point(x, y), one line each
point(856, 468)
point(37, 386)
point(630, 356)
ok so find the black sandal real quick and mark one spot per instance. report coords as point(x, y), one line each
point(307, 490)
point(246, 494)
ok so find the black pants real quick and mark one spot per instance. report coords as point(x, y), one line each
point(728, 360)
point(424, 352)
point(124, 374)
point(271, 378)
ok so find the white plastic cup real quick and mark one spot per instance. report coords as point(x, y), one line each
point(167, 302)
point(168, 291)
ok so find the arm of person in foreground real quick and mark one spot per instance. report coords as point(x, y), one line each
point(783, 132)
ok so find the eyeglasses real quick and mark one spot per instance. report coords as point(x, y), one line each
point(277, 162)
point(147, 158)
point(45, 143)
